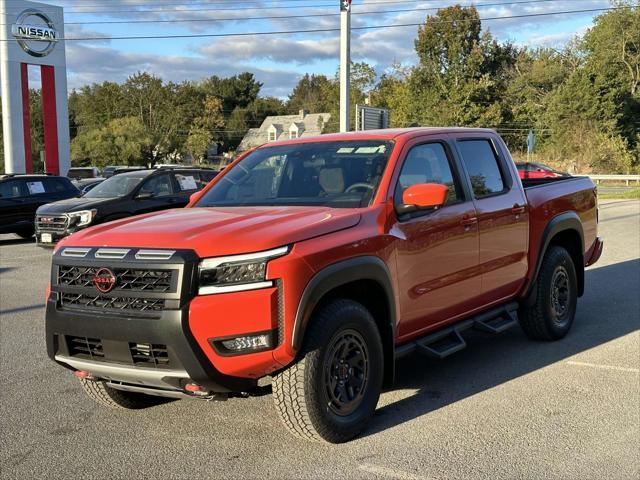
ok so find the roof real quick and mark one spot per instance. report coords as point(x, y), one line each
point(385, 134)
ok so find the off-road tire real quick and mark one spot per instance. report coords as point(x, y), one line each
point(112, 398)
point(539, 320)
point(301, 392)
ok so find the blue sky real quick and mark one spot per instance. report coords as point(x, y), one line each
point(277, 61)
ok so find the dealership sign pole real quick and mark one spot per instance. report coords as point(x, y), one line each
point(345, 64)
point(33, 34)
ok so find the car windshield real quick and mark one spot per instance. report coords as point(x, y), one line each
point(343, 174)
point(115, 187)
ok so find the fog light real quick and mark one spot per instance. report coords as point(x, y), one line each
point(246, 344)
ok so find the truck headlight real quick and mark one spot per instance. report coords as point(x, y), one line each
point(236, 273)
point(81, 218)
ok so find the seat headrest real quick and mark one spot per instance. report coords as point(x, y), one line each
point(331, 179)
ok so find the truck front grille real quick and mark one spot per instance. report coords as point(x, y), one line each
point(52, 223)
point(83, 301)
point(127, 278)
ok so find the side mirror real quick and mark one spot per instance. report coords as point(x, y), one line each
point(423, 196)
point(144, 195)
point(194, 197)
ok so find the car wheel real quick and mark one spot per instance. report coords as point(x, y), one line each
point(556, 294)
point(331, 392)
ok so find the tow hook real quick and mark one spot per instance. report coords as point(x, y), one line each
point(83, 374)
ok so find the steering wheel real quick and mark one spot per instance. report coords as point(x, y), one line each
point(358, 185)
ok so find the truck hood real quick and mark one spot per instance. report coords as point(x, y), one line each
point(218, 231)
point(73, 205)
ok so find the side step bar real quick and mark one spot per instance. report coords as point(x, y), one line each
point(449, 340)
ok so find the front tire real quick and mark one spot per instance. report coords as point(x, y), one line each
point(117, 399)
point(556, 294)
point(330, 394)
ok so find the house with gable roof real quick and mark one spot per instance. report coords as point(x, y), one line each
point(285, 127)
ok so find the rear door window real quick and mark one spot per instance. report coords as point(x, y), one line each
point(57, 185)
point(482, 166)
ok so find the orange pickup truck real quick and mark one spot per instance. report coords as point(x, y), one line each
point(316, 263)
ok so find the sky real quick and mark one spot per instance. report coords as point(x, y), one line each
point(278, 61)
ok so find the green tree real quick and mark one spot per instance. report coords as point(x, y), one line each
point(123, 140)
point(308, 94)
point(462, 73)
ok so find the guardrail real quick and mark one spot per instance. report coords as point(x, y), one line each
point(627, 179)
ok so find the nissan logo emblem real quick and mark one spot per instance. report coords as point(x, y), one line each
point(29, 35)
point(104, 280)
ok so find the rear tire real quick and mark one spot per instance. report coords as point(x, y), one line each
point(112, 398)
point(330, 394)
point(556, 294)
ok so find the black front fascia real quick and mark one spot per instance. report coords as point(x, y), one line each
point(169, 326)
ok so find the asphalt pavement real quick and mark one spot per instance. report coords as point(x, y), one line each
point(505, 407)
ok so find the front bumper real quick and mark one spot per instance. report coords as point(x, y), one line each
point(120, 335)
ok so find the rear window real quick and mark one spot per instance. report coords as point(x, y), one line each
point(482, 166)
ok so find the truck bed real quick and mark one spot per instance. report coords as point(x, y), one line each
point(550, 197)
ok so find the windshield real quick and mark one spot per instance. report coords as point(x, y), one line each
point(341, 174)
point(114, 187)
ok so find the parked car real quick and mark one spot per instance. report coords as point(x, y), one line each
point(108, 171)
point(121, 196)
point(87, 184)
point(320, 262)
point(112, 170)
point(528, 170)
point(21, 195)
point(78, 173)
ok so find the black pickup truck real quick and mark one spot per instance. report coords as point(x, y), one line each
point(121, 196)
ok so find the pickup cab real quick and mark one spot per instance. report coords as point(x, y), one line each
point(316, 263)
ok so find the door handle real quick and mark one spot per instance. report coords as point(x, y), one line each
point(467, 222)
point(518, 209)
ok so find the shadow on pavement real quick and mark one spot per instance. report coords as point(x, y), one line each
point(489, 361)
point(15, 240)
point(22, 309)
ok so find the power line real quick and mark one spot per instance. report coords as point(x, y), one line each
point(273, 7)
point(323, 30)
point(284, 17)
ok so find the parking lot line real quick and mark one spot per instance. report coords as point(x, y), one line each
point(604, 367)
point(388, 472)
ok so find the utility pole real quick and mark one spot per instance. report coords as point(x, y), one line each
point(345, 65)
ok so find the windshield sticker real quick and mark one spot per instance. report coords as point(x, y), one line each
point(187, 183)
point(35, 187)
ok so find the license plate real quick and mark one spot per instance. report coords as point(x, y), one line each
point(46, 238)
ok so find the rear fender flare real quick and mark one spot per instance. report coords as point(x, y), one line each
point(567, 221)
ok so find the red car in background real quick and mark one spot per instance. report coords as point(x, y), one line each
point(528, 170)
